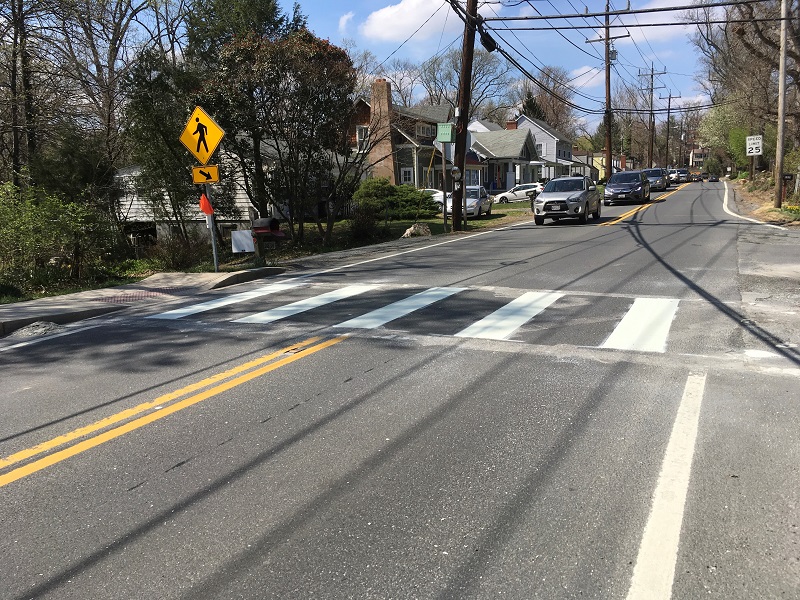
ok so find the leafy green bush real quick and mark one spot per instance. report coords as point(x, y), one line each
point(45, 240)
point(378, 200)
point(175, 253)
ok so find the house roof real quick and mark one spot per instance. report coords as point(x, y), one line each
point(505, 143)
point(543, 126)
point(486, 125)
point(430, 114)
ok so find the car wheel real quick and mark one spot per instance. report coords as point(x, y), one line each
point(538, 220)
point(596, 214)
point(582, 218)
point(502, 199)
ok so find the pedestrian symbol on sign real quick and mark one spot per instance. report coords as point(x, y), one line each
point(200, 132)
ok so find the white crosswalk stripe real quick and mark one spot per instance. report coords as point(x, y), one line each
point(228, 300)
point(645, 326)
point(268, 316)
point(502, 323)
point(393, 311)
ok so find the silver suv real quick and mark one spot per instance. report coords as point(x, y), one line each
point(565, 197)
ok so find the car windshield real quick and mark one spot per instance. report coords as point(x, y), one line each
point(625, 178)
point(564, 185)
point(472, 193)
point(653, 172)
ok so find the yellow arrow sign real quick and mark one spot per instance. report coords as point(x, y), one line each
point(206, 174)
point(202, 135)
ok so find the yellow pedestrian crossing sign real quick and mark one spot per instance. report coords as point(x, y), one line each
point(202, 135)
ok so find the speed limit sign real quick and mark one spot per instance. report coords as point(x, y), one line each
point(754, 145)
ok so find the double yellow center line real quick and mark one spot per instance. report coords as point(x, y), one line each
point(640, 208)
point(154, 410)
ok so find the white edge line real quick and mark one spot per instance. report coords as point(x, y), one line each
point(49, 337)
point(733, 214)
point(654, 573)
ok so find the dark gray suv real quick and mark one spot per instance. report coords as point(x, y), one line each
point(627, 186)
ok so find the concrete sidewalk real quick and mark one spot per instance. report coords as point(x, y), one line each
point(83, 305)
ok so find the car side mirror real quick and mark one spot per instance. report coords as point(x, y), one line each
point(592, 188)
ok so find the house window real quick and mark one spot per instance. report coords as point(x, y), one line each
point(362, 137)
point(407, 176)
point(424, 130)
point(539, 149)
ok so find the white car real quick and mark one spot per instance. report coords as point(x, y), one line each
point(518, 192)
point(437, 195)
point(478, 201)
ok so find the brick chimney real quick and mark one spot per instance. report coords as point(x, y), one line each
point(381, 154)
point(511, 124)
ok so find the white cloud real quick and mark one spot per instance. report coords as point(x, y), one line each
point(344, 21)
point(397, 22)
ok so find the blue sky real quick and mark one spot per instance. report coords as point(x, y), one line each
point(388, 26)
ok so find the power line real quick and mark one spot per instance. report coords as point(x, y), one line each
point(638, 11)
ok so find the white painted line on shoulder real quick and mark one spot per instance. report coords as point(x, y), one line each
point(645, 327)
point(228, 300)
point(733, 214)
point(47, 337)
point(393, 311)
point(502, 323)
point(654, 572)
point(276, 314)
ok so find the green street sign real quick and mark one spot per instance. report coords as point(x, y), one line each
point(445, 133)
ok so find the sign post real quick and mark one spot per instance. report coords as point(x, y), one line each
point(445, 134)
point(201, 136)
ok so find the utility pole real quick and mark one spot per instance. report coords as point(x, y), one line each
point(669, 108)
point(651, 125)
point(781, 109)
point(608, 116)
point(462, 112)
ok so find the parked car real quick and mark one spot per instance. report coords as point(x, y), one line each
point(673, 175)
point(478, 201)
point(713, 178)
point(437, 195)
point(666, 177)
point(704, 175)
point(567, 197)
point(683, 175)
point(518, 192)
point(627, 185)
point(658, 180)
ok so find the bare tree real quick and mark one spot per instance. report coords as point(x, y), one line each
point(491, 82)
point(404, 76)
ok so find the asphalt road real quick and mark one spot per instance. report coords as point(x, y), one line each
point(606, 410)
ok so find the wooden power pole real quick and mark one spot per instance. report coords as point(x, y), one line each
point(462, 112)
